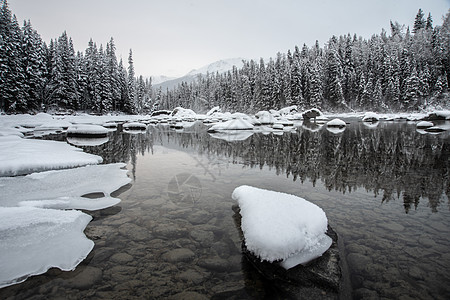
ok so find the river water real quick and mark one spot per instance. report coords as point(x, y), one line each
point(385, 190)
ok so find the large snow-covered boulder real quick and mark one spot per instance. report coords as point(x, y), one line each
point(281, 227)
point(265, 117)
point(424, 125)
point(183, 113)
point(87, 130)
point(336, 123)
point(234, 124)
point(371, 117)
point(312, 113)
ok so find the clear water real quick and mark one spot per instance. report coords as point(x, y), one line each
point(385, 191)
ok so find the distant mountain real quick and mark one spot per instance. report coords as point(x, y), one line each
point(220, 66)
point(160, 79)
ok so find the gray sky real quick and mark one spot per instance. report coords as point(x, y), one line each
point(172, 37)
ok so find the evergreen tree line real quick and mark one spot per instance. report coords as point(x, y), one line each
point(401, 71)
point(35, 76)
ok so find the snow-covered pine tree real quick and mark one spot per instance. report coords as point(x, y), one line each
point(33, 66)
point(419, 21)
point(113, 74)
point(12, 77)
point(130, 105)
point(123, 87)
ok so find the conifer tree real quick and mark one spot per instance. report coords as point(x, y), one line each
point(130, 105)
point(419, 21)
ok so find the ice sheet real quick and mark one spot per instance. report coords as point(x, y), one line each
point(32, 240)
point(20, 156)
point(53, 185)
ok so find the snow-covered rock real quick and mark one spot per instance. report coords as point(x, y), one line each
point(371, 117)
point(213, 110)
point(265, 117)
point(438, 115)
point(289, 110)
point(135, 126)
point(312, 113)
point(183, 113)
point(281, 227)
point(337, 123)
point(234, 124)
point(87, 130)
point(424, 125)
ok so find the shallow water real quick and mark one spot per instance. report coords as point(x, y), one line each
point(385, 191)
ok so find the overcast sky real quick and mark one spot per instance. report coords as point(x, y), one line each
point(172, 37)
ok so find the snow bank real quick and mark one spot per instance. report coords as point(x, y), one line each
point(234, 124)
point(33, 240)
point(279, 226)
point(20, 156)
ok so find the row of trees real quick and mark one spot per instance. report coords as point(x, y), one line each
point(401, 71)
point(36, 76)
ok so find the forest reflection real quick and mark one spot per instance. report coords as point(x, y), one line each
point(392, 160)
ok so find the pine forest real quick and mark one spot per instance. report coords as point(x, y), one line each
point(401, 70)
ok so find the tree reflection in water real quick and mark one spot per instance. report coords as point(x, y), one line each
point(392, 159)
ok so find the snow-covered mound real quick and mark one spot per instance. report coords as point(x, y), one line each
point(183, 113)
point(337, 123)
point(33, 240)
point(312, 113)
point(20, 156)
point(265, 117)
point(234, 124)
point(438, 115)
point(424, 125)
point(87, 130)
point(213, 110)
point(279, 226)
point(371, 117)
point(135, 126)
point(289, 110)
